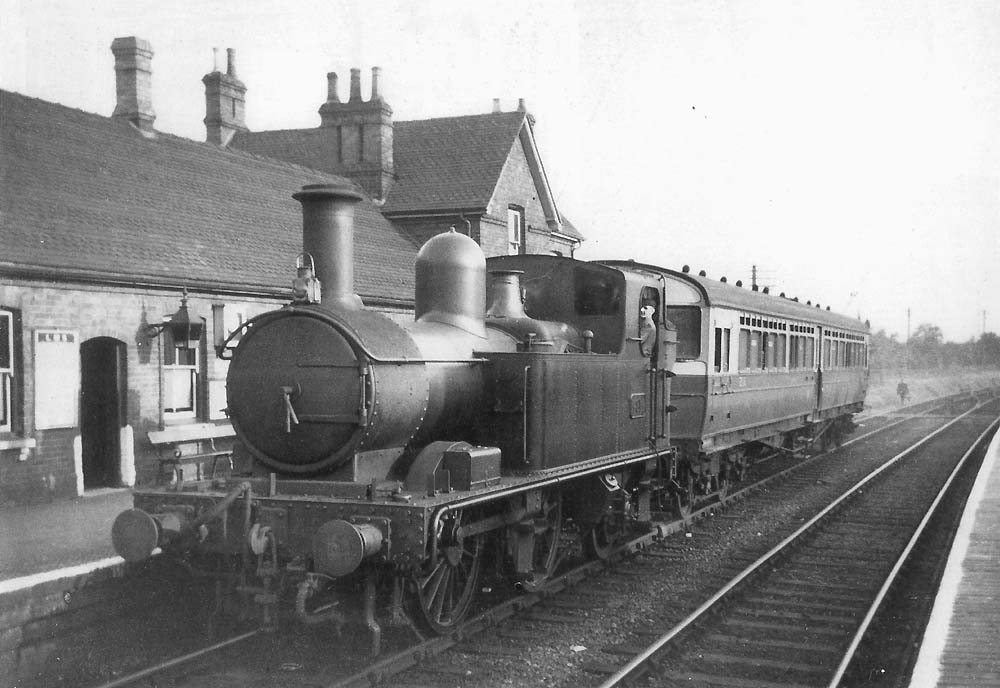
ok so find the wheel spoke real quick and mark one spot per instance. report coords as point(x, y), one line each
point(444, 594)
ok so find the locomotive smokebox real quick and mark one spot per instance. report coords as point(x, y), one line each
point(328, 236)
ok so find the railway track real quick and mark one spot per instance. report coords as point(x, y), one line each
point(585, 592)
point(798, 614)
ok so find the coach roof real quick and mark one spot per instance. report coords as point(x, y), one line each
point(723, 294)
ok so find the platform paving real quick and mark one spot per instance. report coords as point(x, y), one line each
point(40, 538)
point(961, 646)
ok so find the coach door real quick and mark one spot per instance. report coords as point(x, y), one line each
point(820, 352)
point(102, 410)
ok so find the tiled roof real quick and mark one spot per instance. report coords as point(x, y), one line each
point(443, 164)
point(82, 193)
point(450, 162)
point(569, 229)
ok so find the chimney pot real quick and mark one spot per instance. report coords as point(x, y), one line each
point(496, 105)
point(521, 107)
point(225, 101)
point(376, 72)
point(355, 86)
point(331, 88)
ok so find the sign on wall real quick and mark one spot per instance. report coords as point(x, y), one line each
point(57, 378)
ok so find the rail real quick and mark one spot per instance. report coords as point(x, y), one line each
point(897, 567)
point(685, 624)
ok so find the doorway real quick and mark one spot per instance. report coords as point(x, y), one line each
point(103, 366)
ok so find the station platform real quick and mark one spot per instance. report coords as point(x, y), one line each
point(961, 645)
point(41, 542)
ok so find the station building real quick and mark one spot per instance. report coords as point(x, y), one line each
point(128, 254)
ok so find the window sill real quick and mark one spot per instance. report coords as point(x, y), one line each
point(25, 443)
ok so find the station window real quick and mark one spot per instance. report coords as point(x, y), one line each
point(180, 379)
point(7, 371)
point(515, 230)
point(687, 320)
point(722, 335)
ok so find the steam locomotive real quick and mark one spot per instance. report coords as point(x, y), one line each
point(393, 464)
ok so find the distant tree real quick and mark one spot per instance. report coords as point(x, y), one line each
point(885, 351)
point(927, 349)
point(925, 345)
point(987, 350)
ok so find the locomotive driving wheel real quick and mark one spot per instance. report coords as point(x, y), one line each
point(599, 541)
point(683, 498)
point(445, 589)
point(547, 529)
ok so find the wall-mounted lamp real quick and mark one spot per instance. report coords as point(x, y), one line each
point(185, 331)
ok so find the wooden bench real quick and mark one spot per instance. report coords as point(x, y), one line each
point(185, 447)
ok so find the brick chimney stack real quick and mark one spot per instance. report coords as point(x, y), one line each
point(361, 132)
point(133, 81)
point(225, 103)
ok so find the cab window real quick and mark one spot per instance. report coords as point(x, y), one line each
point(595, 294)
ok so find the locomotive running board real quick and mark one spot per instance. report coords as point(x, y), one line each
point(476, 500)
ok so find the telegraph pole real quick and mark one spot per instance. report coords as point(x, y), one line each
point(906, 363)
point(982, 340)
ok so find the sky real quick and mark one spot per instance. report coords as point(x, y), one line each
point(849, 150)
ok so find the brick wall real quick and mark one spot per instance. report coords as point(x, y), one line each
point(423, 229)
point(47, 470)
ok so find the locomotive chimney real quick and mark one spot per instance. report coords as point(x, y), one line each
point(506, 301)
point(328, 236)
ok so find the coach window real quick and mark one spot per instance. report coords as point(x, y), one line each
point(722, 349)
point(779, 350)
point(756, 351)
point(180, 378)
point(687, 320)
point(768, 340)
point(745, 355)
point(9, 374)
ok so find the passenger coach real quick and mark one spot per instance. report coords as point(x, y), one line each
point(755, 372)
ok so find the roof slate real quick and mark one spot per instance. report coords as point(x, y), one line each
point(83, 192)
point(441, 164)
